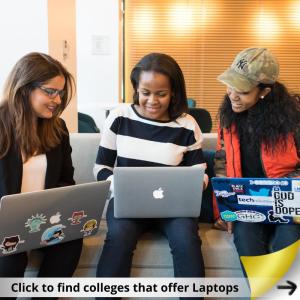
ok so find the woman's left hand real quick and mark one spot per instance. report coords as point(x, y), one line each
point(205, 182)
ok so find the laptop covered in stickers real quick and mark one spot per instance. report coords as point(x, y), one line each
point(258, 200)
point(43, 218)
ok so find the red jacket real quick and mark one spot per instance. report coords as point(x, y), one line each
point(275, 164)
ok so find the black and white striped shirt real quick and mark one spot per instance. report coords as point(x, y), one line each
point(128, 139)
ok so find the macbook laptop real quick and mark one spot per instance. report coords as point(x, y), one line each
point(157, 192)
point(265, 200)
point(38, 219)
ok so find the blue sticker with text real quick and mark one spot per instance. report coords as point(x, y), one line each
point(228, 216)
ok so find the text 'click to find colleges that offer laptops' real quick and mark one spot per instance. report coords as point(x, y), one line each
point(157, 192)
point(267, 200)
point(43, 218)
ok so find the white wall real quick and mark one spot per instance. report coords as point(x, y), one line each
point(62, 46)
point(23, 29)
point(98, 63)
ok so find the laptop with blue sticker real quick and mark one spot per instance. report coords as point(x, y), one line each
point(265, 200)
point(43, 218)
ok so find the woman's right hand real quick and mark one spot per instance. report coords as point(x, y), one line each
point(222, 225)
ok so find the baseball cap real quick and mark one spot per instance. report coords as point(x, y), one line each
point(251, 67)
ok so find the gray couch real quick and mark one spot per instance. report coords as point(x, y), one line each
point(152, 257)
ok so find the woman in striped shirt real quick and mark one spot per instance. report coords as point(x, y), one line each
point(153, 131)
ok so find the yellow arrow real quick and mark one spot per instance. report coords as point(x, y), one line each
point(264, 271)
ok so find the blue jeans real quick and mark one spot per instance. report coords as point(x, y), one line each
point(123, 235)
point(252, 239)
point(259, 238)
point(59, 260)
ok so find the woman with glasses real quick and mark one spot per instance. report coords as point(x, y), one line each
point(35, 151)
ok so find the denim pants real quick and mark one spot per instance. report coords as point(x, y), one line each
point(252, 239)
point(59, 260)
point(123, 235)
point(259, 238)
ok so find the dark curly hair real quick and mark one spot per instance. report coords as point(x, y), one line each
point(271, 119)
point(164, 64)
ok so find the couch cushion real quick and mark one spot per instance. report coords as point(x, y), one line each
point(209, 141)
point(153, 250)
point(153, 256)
point(84, 151)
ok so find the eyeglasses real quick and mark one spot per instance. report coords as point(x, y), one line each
point(52, 93)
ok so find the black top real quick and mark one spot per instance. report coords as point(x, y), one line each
point(59, 168)
point(250, 155)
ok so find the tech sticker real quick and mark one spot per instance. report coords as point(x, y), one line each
point(10, 243)
point(35, 222)
point(53, 235)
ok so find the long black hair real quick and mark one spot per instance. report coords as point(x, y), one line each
point(270, 120)
point(164, 64)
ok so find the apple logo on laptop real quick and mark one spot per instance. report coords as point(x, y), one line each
point(158, 194)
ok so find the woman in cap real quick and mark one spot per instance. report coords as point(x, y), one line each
point(259, 136)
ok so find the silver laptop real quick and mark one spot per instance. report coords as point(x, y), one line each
point(157, 192)
point(38, 219)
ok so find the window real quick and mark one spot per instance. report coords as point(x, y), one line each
point(204, 37)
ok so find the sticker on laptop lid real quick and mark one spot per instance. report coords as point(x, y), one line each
point(255, 200)
point(250, 216)
point(53, 235)
point(34, 223)
point(268, 182)
point(273, 218)
point(260, 192)
point(10, 243)
point(88, 227)
point(55, 218)
point(296, 186)
point(237, 188)
point(224, 193)
point(76, 217)
point(286, 203)
point(228, 216)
